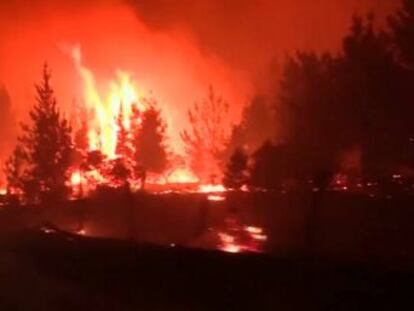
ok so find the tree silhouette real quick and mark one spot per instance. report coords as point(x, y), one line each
point(373, 91)
point(328, 105)
point(272, 166)
point(248, 132)
point(149, 143)
point(309, 113)
point(235, 174)
point(46, 147)
point(206, 139)
point(402, 33)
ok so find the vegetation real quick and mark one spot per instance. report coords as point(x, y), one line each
point(257, 125)
point(329, 105)
point(235, 174)
point(325, 106)
point(40, 161)
point(149, 143)
point(207, 137)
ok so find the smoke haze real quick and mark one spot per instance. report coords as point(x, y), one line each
point(173, 49)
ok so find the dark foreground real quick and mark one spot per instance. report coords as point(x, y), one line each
point(58, 271)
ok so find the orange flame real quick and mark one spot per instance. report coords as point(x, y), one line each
point(104, 110)
point(182, 176)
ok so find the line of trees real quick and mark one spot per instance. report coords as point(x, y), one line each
point(49, 149)
point(38, 169)
point(328, 105)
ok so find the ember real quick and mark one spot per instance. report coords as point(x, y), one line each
point(182, 176)
point(237, 238)
point(211, 188)
point(217, 198)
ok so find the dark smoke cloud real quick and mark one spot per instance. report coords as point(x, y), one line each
point(248, 34)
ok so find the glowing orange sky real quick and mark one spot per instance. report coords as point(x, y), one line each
point(174, 51)
point(166, 64)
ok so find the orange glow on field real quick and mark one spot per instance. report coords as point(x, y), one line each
point(254, 230)
point(216, 198)
point(228, 243)
point(237, 239)
point(210, 188)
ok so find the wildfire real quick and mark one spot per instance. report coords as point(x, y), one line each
point(216, 198)
point(123, 96)
point(81, 231)
point(211, 188)
point(215, 193)
point(108, 112)
point(182, 176)
point(238, 239)
point(228, 243)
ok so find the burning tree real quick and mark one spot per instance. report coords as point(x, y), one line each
point(149, 142)
point(207, 137)
point(123, 148)
point(44, 149)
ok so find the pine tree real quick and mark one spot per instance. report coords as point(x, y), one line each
point(46, 147)
point(149, 143)
point(402, 33)
point(235, 175)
